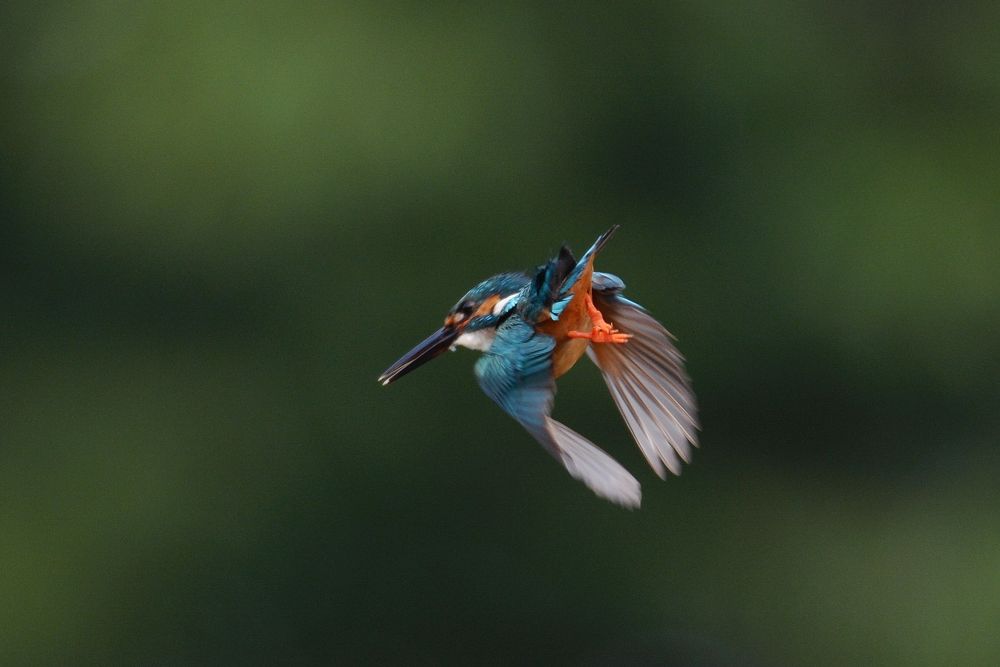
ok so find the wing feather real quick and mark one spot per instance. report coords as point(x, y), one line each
point(592, 466)
point(648, 382)
point(516, 372)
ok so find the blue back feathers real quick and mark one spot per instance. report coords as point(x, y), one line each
point(542, 291)
point(550, 288)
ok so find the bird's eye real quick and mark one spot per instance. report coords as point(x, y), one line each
point(462, 312)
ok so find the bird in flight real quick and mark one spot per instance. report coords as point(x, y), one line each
point(533, 329)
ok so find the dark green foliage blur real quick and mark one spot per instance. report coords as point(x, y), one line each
point(221, 221)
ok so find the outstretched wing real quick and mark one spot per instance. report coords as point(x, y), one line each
point(647, 379)
point(516, 372)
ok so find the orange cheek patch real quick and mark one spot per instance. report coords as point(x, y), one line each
point(486, 307)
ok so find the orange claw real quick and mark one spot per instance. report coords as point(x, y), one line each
point(613, 336)
point(602, 331)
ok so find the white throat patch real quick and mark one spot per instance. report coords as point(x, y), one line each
point(481, 339)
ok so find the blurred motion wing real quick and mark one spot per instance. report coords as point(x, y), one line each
point(647, 379)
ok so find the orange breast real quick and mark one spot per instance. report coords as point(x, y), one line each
point(574, 317)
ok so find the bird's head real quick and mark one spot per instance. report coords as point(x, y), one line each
point(471, 323)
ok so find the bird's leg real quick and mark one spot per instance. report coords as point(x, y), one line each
point(601, 331)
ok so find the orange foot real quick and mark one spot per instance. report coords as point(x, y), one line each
point(598, 336)
point(602, 331)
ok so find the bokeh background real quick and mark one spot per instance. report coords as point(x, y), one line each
point(221, 221)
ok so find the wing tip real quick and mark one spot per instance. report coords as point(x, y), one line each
point(629, 504)
point(605, 237)
point(591, 465)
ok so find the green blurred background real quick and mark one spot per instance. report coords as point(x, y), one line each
point(221, 221)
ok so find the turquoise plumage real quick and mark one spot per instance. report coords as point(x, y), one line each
point(527, 329)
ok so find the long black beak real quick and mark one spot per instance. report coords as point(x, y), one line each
point(432, 346)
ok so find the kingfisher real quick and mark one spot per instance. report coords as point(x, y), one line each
point(531, 329)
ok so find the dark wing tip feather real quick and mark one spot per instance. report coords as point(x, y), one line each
point(564, 264)
point(603, 239)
